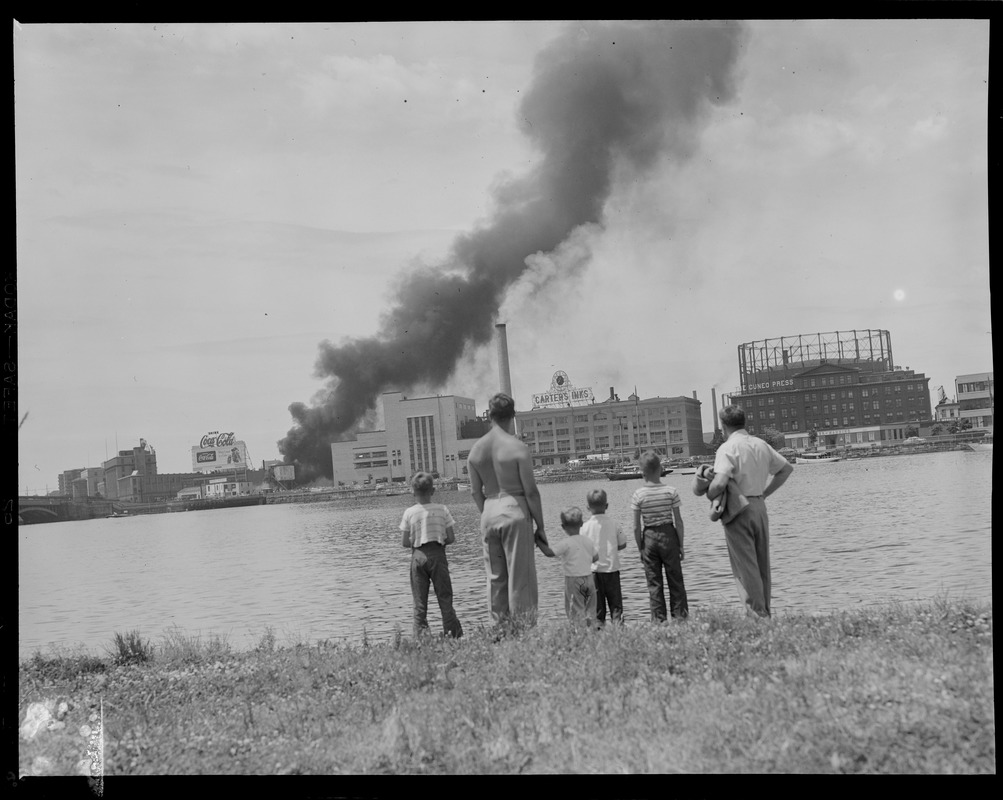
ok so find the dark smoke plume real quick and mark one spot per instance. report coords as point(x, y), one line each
point(604, 97)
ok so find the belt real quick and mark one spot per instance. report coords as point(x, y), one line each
point(659, 526)
point(501, 495)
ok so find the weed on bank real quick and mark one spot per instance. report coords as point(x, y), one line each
point(900, 689)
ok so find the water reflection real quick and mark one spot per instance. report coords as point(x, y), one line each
point(843, 534)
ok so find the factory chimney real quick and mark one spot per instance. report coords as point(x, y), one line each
point(713, 402)
point(504, 376)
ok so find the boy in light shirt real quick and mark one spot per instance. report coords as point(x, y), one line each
point(609, 539)
point(577, 554)
point(427, 528)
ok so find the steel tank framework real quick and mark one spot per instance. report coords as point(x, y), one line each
point(763, 362)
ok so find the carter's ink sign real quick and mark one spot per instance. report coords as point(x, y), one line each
point(562, 393)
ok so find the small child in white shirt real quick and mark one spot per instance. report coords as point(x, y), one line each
point(577, 555)
point(609, 539)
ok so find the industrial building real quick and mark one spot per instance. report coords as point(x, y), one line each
point(429, 434)
point(132, 477)
point(559, 429)
point(843, 385)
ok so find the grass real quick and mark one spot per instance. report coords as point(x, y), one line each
point(899, 689)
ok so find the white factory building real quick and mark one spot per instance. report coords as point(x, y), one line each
point(419, 434)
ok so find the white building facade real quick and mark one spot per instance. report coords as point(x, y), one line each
point(421, 434)
point(974, 394)
point(218, 488)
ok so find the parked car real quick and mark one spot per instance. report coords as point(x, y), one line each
point(914, 440)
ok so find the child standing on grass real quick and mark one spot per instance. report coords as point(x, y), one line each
point(658, 531)
point(609, 539)
point(427, 528)
point(577, 555)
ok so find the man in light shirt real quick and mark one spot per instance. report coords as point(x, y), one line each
point(759, 471)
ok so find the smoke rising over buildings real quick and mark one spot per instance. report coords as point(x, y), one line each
point(607, 101)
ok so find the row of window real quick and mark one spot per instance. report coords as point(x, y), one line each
point(421, 443)
point(602, 416)
point(812, 397)
point(546, 461)
point(599, 429)
point(602, 443)
point(835, 422)
point(373, 454)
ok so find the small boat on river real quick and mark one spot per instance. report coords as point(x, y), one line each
point(821, 457)
point(632, 473)
point(626, 474)
point(683, 467)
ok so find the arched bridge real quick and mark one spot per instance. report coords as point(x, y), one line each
point(31, 510)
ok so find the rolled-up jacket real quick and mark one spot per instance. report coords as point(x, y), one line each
point(727, 505)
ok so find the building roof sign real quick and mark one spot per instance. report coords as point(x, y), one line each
point(563, 393)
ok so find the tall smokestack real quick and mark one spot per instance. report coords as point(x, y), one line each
point(713, 402)
point(504, 376)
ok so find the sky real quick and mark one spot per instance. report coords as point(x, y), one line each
point(200, 206)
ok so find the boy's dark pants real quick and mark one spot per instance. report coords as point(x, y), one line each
point(429, 567)
point(608, 592)
point(661, 551)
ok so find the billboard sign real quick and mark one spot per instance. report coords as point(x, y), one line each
point(219, 451)
point(562, 393)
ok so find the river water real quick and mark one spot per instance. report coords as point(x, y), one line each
point(843, 535)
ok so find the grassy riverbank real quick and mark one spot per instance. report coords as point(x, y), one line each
point(900, 689)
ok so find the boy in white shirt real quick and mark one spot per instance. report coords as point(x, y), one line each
point(427, 528)
point(577, 555)
point(609, 539)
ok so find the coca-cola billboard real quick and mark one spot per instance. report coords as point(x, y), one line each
point(216, 439)
point(219, 451)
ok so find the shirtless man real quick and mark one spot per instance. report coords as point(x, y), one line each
point(502, 484)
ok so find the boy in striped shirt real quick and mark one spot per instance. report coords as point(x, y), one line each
point(427, 528)
point(658, 531)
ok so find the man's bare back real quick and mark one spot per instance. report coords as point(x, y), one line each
point(505, 492)
point(496, 459)
point(500, 463)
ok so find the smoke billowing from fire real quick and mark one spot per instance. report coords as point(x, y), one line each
point(603, 98)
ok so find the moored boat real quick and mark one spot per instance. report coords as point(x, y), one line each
point(821, 457)
point(627, 474)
